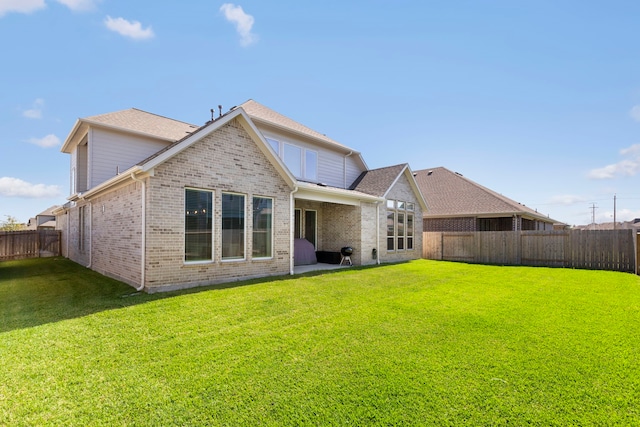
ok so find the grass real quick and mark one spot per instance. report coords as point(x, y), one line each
point(418, 343)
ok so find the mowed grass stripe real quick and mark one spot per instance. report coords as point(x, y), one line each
point(414, 343)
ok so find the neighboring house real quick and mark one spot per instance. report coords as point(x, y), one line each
point(456, 203)
point(162, 204)
point(45, 220)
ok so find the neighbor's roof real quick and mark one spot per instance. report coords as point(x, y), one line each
point(260, 113)
point(450, 194)
point(143, 122)
point(49, 211)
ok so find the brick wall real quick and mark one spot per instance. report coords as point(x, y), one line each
point(225, 161)
point(341, 227)
point(450, 224)
point(116, 223)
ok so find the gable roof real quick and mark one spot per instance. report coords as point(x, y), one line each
point(450, 194)
point(134, 121)
point(263, 114)
point(378, 182)
point(147, 165)
point(140, 121)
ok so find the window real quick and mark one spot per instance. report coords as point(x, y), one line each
point(400, 231)
point(400, 225)
point(274, 144)
point(233, 226)
point(297, 227)
point(81, 230)
point(409, 230)
point(262, 227)
point(302, 162)
point(391, 230)
point(198, 224)
point(311, 165)
point(292, 158)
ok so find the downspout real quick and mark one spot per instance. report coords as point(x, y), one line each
point(378, 231)
point(90, 235)
point(143, 243)
point(68, 225)
point(344, 168)
point(292, 217)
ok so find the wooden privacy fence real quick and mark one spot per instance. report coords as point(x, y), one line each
point(596, 249)
point(29, 244)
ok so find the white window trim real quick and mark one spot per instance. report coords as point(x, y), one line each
point(213, 227)
point(244, 257)
point(273, 208)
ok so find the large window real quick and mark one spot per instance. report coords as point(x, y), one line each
point(400, 225)
point(233, 226)
point(198, 224)
point(391, 230)
point(262, 227)
point(302, 162)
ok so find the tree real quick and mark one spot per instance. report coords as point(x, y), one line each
point(11, 224)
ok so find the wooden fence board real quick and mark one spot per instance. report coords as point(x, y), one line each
point(598, 250)
point(29, 244)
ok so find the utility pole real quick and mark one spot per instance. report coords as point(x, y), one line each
point(593, 213)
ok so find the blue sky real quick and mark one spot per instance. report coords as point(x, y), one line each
point(539, 101)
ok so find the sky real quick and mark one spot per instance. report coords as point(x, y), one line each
point(536, 100)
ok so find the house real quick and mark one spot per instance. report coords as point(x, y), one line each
point(45, 220)
point(162, 204)
point(457, 203)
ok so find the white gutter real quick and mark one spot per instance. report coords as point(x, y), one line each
point(292, 217)
point(344, 167)
point(143, 243)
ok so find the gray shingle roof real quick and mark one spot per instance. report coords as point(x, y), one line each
point(259, 112)
point(147, 123)
point(450, 194)
point(377, 181)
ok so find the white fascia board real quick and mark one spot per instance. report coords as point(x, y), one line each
point(246, 123)
point(108, 184)
point(333, 195)
point(414, 186)
point(66, 147)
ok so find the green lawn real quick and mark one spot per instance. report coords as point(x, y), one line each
point(420, 343)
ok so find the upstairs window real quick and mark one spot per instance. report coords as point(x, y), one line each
point(302, 162)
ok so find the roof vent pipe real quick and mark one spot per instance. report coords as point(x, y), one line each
point(220, 110)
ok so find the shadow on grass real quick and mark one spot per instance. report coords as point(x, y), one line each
point(38, 291)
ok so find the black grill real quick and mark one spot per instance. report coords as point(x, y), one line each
point(346, 251)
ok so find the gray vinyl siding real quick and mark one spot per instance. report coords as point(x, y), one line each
point(113, 151)
point(331, 164)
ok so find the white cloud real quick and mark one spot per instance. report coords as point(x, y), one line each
point(14, 187)
point(46, 142)
point(242, 21)
point(635, 113)
point(131, 29)
point(79, 5)
point(20, 6)
point(567, 199)
point(627, 167)
point(35, 112)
